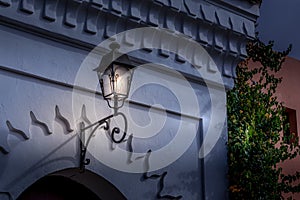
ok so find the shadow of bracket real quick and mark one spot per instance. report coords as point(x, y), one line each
point(129, 149)
point(161, 182)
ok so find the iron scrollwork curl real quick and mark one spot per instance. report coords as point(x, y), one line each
point(105, 121)
point(116, 130)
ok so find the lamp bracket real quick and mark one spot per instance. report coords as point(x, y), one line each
point(85, 142)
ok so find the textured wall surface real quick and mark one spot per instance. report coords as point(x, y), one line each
point(286, 94)
point(46, 92)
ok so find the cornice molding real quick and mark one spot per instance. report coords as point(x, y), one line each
point(88, 22)
point(240, 7)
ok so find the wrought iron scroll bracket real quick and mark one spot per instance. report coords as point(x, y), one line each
point(84, 141)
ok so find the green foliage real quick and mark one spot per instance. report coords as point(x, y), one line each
point(255, 123)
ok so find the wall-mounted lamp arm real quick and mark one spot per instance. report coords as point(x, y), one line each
point(100, 122)
point(84, 143)
point(115, 74)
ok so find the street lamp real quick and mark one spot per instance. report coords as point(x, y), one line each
point(115, 82)
point(115, 74)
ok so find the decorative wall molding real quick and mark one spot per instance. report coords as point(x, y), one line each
point(39, 123)
point(221, 31)
point(84, 115)
point(18, 131)
point(5, 2)
point(66, 123)
point(27, 6)
point(4, 148)
point(50, 10)
point(155, 176)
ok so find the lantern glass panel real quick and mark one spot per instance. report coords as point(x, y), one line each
point(115, 84)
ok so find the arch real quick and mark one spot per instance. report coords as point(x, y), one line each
point(57, 188)
point(71, 184)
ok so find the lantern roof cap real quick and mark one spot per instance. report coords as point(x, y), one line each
point(114, 56)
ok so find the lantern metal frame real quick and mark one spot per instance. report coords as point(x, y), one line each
point(117, 97)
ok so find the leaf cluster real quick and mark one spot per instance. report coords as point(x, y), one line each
point(256, 144)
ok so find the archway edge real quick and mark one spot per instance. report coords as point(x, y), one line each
point(97, 184)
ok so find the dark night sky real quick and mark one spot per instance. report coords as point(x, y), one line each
point(280, 21)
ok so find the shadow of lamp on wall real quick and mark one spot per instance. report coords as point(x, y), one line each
point(115, 74)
